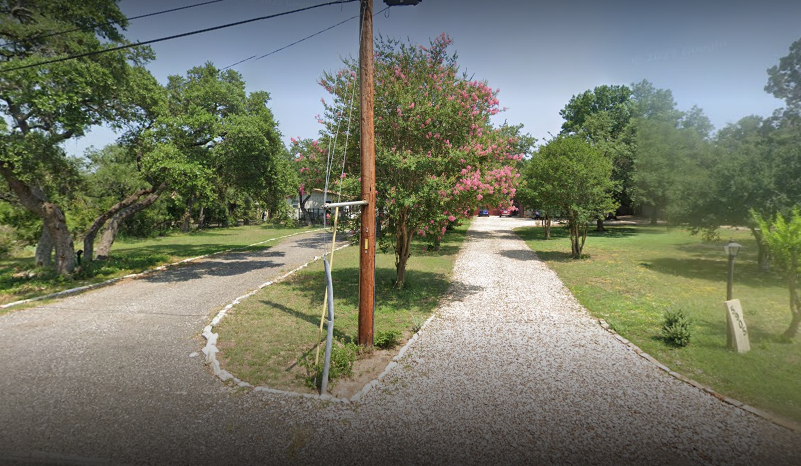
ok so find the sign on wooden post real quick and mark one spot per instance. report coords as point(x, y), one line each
point(737, 332)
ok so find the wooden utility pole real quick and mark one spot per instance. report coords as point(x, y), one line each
point(367, 243)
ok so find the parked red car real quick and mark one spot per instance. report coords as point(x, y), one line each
point(505, 212)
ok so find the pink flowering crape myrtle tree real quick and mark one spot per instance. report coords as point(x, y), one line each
point(438, 156)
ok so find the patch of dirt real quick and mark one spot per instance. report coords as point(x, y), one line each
point(366, 368)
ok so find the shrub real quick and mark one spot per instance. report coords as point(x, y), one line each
point(417, 323)
point(387, 339)
point(676, 328)
point(343, 355)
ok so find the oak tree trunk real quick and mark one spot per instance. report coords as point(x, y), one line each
point(91, 233)
point(201, 218)
point(110, 233)
point(44, 249)
point(33, 199)
point(599, 225)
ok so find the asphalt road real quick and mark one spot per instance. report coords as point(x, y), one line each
point(106, 377)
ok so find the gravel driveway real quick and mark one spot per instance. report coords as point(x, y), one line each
point(511, 370)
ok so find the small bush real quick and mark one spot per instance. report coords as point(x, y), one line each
point(343, 355)
point(417, 323)
point(676, 328)
point(387, 339)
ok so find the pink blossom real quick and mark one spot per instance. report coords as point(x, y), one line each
point(451, 218)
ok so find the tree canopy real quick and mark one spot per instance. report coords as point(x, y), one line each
point(46, 105)
point(438, 156)
point(573, 178)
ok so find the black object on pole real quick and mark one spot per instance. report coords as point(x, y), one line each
point(731, 249)
point(401, 2)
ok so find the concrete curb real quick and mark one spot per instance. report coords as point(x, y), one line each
point(211, 350)
point(111, 281)
point(392, 364)
point(786, 423)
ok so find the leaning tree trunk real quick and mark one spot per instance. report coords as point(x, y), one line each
point(91, 233)
point(44, 249)
point(55, 222)
point(110, 233)
point(201, 218)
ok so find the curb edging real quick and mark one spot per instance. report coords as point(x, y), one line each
point(211, 350)
point(782, 422)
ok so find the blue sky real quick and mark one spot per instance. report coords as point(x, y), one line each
point(713, 54)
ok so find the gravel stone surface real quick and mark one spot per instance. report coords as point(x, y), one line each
point(510, 370)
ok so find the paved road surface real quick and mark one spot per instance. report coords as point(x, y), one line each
point(500, 376)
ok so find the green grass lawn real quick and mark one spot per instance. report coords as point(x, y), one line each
point(130, 256)
point(634, 273)
point(262, 338)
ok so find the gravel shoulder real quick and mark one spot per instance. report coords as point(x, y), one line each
point(510, 370)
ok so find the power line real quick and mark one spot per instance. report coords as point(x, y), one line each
point(254, 57)
point(176, 36)
point(58, 33)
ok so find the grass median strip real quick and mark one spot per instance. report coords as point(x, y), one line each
point(19, 279)
point(635, 273)
point(263, 338)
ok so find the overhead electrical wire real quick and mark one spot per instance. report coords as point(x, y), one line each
point(67, 31)
point(254, 57)
point(176, 36)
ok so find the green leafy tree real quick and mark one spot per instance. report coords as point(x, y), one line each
point(651, 103)
point(784, 79)
point(438, 156)
point(206, 141)
point(574, 177)
point(45, 105)
point(666, 163)
point(603, 116)
point(783, 237)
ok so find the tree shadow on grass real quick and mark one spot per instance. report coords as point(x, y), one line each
point(555, 256)
point(756, 334)
point(422, 289)
point(311, 319)
point(711, 270)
